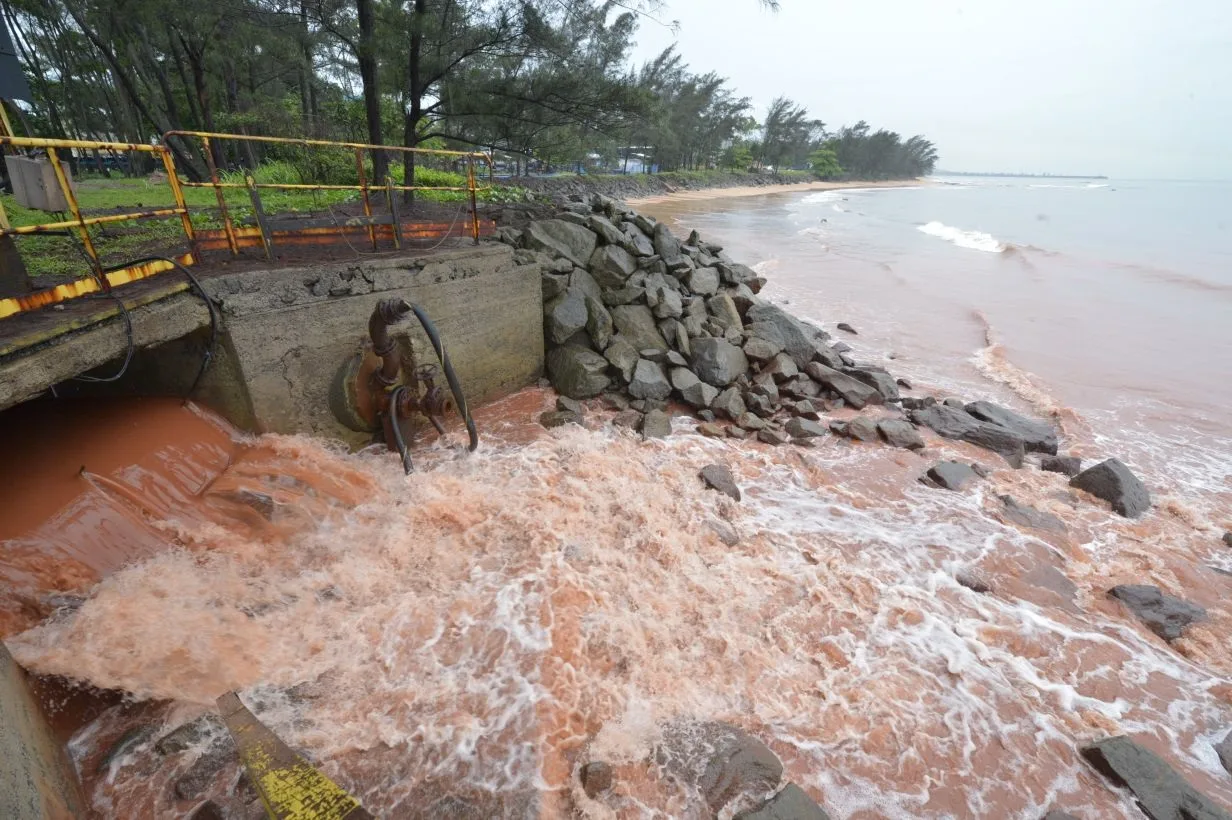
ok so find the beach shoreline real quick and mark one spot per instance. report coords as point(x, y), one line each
point(744, 191)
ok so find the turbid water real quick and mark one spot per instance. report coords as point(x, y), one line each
point(460, 641)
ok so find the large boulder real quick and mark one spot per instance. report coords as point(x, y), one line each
point(854, 392)
point(730, 403)
point(1028, 516)
point(581, 280)
point(608, 233)
point(637, 325)
point(703, 281)
point(899, 433)
point(1037, 436)
point(723, 309)
point(564, 316)
point(649, 381)
point(877, 379)
point(1160, 792)
point(719, 478)
point(560, 238)
point(577, 372)
point(951, 475)
point(792, 803)
point(720, 761)
point(717, 362)
point(622, 356)
point(666, 302)
point(1067, 465)
point(693, 390)
point(1164, 614)
point(611, 265)
point(667, 246)
point(734, 273)
point(1113, 482)
point(598, 323)
point(956, 423)
point(772, 322)
point(641, 244)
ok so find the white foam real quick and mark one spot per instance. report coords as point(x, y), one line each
point(973, 240)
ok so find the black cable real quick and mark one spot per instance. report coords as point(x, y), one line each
point(128, 357)
point(407, 467)
point(454, 385)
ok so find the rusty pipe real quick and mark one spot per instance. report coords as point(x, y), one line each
point(386, 313)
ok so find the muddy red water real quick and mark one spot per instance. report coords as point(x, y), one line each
point(460, 641)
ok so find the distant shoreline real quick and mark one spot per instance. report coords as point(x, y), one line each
point(1017, 176)
point(742, 191)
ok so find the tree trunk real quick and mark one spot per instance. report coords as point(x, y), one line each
point(372, 92)
point(415, 92)
point(196, 63)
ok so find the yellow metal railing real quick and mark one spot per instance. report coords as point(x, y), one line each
point(232, 236)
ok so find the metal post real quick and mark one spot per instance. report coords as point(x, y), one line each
point(363, 190)
point(259, 212)
point(82, 229)
point(470, 182)
point(177, 192)
point(394, 216)
point(222, 201)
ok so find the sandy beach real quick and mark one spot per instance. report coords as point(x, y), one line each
point(756, 190)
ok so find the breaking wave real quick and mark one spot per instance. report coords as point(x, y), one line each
point(974, 240)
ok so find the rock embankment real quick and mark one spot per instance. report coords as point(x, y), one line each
point(633, 186)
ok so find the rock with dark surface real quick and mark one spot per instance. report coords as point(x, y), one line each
point(730, 403)
point(733, 273)
point(665, 302)
point(903, 383)
point(955, 402)
point(855, 392)
point(553, 285)
point(956, 423)
point(782, 367)
point(759, 404)
point(559, 418)
point(1037, 436)
point(773, 437)
point(1029, 516)
point(576, 372)
point(572, 405)
point(973, 581)
point(721, 761)
point(608, 233)
point(1067, 465)
point(803, 408)
point(910, 403)
point(695, 392)
point(190, 734)
point(624, 296)
point(581, 281)
point(801, 427)
point(564, 316)
point(598, 323)
point(1057, 814)
point(596, 777)
point(656, 424)
point(703, 281)
point(1113, 482)
point(630, 419)
point(792, 803)
point(723, 310)
point(1227, 539)
point(1224, 751)
point(859, 428)
point(203, 771)
point(951, 475)
point(846, 328)
point(879, 380)
point(1165, 615)
point(719, 478)
point(1160, 792)
point(622, 356)
point(558, 238)
point(899, 433)
point(637, 325)
point(751, 422)
point(649, 381)
point(717, 362)
point(638, 241)
point(711, 430)
point(799, 340)
point(763, 350)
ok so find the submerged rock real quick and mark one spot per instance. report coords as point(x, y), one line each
point(846, 328)
point(656, 424)
point(1037, 436)
point(711, 430)
point(718, 477)
point(899, 433)
point(1224, 750)
point(1227, 539)
point(596, 777)
point(721, 761)
point(1067, 465)
point(1164, 614)
point(1161, 793)
point(559, 418)
point(951, 475)
point(1113, 482)
point(1029, 516)
point(792, 803)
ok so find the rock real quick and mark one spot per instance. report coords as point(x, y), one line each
point(564, 316)
point(711, 430)
point(676, 360)
point(576, 372)
point(202, 772)
point(717, 362)
point(572, 405)
point(952, 422)
point(803, 408)
point(637, 325)
point(951, 475)
point(782, 367)
point(801, 388)
point(840, 347)
point(1224, 751)
point(719, 478)
point(798, 339)
point(666, 245)
point(903, 383)
point(656, 424)
point(703, 281)
point(973, 581)
point(764, 384)
point(559, 418)
point(954, 402)
point(1165, 615)
point(625, 296)
point(645, 224)
point(846, 328)
point(879, 380)
point(759, 404)
point(730, 403)
point(773, 437)
point(584, 283)
point(553, 285)
point(1029, 516)
point(614, 401)
point(792, 803)
point(981, 470)
point(1057, 814)
point(800, 427)
point(733, 273)
point(598, 323)
point(751, 422)
point(1037, 436)
point(638, 241)
point(631, 419)
point(596, 777)
point(723, 309)
point(721, 761)
point(692, 389)
point(854, 392)
point(678, 337)
point(910, 403)
point(622, 356)
point(125, 743)
point(649, 381)
point(1068, 465)
point(190, 734)
point(1227, 539)
point(899, 433)
point(705, 414)
point(861, 428)
point(763, 350)
point(558, 238)
point(1113, 482)
point(666, 303)
point(1160, 792)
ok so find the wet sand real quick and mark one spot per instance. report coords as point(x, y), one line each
point(756, 190)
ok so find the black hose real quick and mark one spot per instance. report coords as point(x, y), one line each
point(128, 357)
point(407, 467)
point(454, 385)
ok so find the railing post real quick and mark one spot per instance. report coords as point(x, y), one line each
point(395, 217)
point(82, 229)
point(222, 201)
point(363, 190)
point(258, 210)
point(470, 183)
point(177, 192)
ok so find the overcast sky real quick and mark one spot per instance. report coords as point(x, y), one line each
point(1128, 88)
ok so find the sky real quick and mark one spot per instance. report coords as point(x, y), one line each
point(1127, 88)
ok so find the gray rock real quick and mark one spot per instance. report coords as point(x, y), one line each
point(846, 328)
point(676, 360)
point(624, 296)
point(645, 224)
point(763, 350)
point(564, 316)
point(1160, 792)
point(973, 581)
point(598, 323)
point(1224, 750)
point(899, 433)
point(1113, 482)
point(559, 418)
point(1068, 465)
point(711, 430)
point(861, 428)
point(1227, 539)
point(608, 233)
point(765, 384)
point(623, 357)
point(954, 402)
point(910, 403)
point(801, 388)
point(553, 285)
point(782, 367)
point(699, 395)
point(751, 422)
point(805, 409)
point(903, 383)
point(951, 475)
point(721, 761)
point(719, 478)
point(800, 427)
point(665, 302)
point(630, 419)
point(641, 244)
point(733, 273)
point(955, 423)
point(730, 403)
point(596, 777)
point(1029, 516)
point(706, 414)
point(792, 803)
point(637, 325)
point(759, 404)
point(1037, 436)
point(703, 281)
point(879, 380)
point(572, 405)
point(717, 362)
point(656, 424)
point(559, 238)
point(573, 218)
point(855, 392)
point(666, 245)
point(723, 309)
point(611, 265)
point(800, 341)
point(773, 437)
point(1164, 614)
point(577, 372)
point(649, 381)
